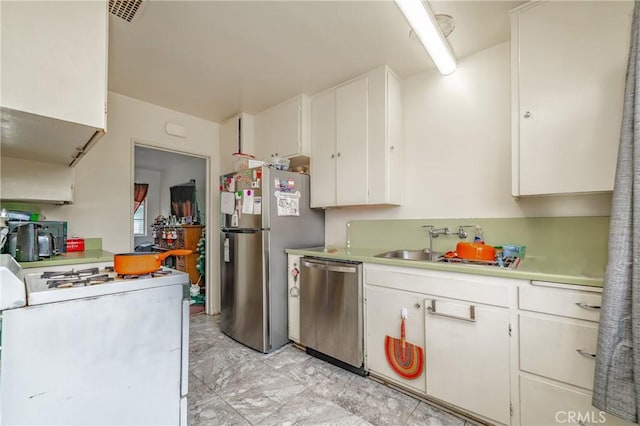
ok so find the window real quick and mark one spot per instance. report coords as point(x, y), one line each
point(139, 219)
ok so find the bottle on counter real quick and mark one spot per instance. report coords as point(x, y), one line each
point(478, 238)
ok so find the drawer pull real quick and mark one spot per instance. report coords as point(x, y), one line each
point(587, 306)
point(585, 353)
point(472, 313)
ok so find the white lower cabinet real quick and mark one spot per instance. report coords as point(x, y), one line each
point(506, 351)
point(468, 356)
point(558, 332)
point(463, 324)
point(384, 308)
point(560, 349)
point(545, 403)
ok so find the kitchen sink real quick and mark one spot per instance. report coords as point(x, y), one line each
point(423, 255)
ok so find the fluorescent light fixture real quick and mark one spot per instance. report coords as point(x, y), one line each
point(426, 28)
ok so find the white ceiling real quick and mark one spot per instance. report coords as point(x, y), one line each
point(214, 59)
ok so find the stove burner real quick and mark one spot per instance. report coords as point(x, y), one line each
point(131, 276)
point(98, 279)
point(71, 273)
point(155, 274)
point(66, 282)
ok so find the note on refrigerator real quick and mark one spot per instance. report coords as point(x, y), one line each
point(227, 202)
point(247, 201)
point(257, 205)
point(288, 203)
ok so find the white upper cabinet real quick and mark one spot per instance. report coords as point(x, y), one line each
point(236, 134)
point(54, 78)
point(36, 181)
point(356, 142)
point(351, 143)
point(568, 74)
point(283, 130)
point(323, 146)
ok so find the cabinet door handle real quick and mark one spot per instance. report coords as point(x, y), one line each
point(392, 148)
point(585, 353)
point(417, 305)
point(333, 156)
point(338, 154)
point(587, 306)
point(527, 114)
point(472, 313)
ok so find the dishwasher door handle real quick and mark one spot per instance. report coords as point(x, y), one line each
point(330, 267)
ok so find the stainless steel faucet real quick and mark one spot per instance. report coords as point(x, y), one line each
point(462, 234)
point(436, 232)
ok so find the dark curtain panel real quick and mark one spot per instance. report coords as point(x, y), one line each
point(183, 200)
point(139, 194)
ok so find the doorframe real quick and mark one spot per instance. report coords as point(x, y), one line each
point(210, 284)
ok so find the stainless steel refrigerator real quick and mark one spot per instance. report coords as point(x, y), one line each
point(263, 212)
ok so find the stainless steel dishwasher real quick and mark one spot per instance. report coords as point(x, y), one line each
point(331, 312)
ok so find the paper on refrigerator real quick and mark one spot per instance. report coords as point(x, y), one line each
point(288, 203)
point(227, 202)
point(247, 201)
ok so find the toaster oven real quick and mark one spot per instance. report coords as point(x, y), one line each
point(56, 228)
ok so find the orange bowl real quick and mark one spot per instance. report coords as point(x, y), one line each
point(475, 251)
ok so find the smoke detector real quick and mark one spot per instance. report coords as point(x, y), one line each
point(445, 22)
point(126, 9)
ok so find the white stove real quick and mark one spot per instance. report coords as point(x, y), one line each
point(69, 282)
point(88, 345)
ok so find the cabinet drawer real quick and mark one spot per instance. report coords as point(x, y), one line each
point(545, 403)
point(549, 347)
point(467, 287)
point(569, 303)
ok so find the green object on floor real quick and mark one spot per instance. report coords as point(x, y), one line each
point(198, 299)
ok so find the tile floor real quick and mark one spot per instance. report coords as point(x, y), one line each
point(230, 384)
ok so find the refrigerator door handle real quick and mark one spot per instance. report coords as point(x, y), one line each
point(242, 231)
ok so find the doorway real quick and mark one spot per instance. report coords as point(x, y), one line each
point(164, 180)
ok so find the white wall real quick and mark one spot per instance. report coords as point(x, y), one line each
point(457, 152)
point(152, 204)
point(104, 191)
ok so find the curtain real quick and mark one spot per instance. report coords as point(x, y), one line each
point(617, 379)
point(139, 194)
point(183, 199)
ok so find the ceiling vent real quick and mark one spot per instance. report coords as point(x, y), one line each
point(126, 9)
